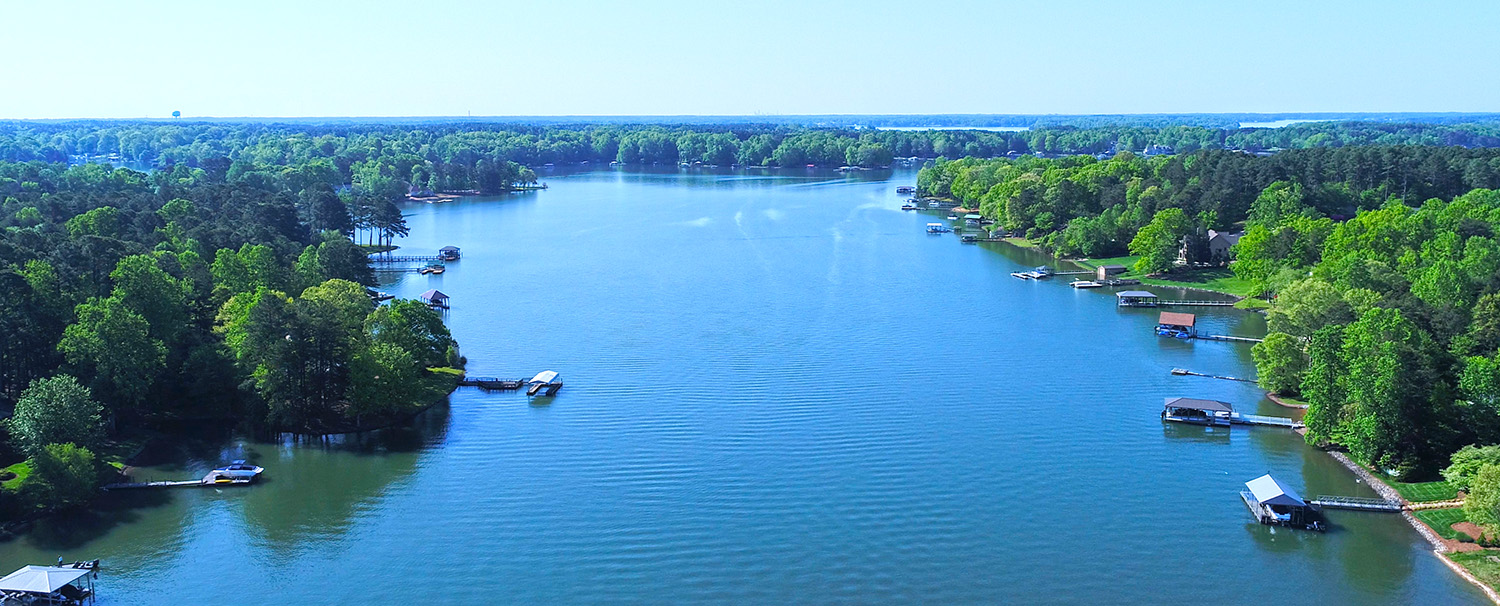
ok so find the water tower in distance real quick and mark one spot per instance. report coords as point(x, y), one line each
point(176, 114)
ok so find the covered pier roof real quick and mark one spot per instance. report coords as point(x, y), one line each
point(1135, 294)
point(434, 295)
point(1197, 404)
point(1271, 492)
point(1173, 318)
point(41, 579)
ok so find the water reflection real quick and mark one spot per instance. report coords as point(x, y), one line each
point(316, 486)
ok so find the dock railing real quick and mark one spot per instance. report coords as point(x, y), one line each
point(1356, 503)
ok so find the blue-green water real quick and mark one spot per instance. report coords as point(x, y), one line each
point(778, 390)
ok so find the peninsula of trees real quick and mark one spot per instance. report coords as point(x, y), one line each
point(230, 295)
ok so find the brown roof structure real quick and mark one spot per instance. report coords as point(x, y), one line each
point(1173, 318)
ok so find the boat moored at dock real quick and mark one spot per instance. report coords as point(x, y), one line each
point(937, 228)
point(1274, 504)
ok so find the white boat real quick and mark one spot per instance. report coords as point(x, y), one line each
point(952, 217)
point(237, 470)
point(1084, 284)
point(937, 228)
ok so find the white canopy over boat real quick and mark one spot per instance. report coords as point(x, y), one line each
point(1271, 492)
point(41, 579)
point(546, 376)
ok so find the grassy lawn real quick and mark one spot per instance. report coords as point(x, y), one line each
point(1419, 492)
point(1217, 279)
point(1481, 564)
point(378, 248)
point(1021, 242)
point(439, 381)
point(1252, 304)
point(1442, 520)
point(1292, 401)
point(21, 470)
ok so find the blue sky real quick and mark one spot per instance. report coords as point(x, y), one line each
point(562, 57)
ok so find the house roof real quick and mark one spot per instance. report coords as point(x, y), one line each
point(1225, 236)
point(434, 295)
point(1174, 318)
point(1136, 294)
point(1197, 404)
point(40, 579)
point(1271, 492)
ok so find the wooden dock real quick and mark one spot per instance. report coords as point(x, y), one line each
point(492, 383)
point(206, 482)
point(1229, 338)
point(1184, 371)
point(378, 258)
point(1357, 503)
point(1240, 418)
point(1160, 302)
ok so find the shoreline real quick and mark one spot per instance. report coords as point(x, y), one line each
point(1438, 544)
point(1086, 264)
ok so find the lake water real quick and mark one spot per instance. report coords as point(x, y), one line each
point(779, 390)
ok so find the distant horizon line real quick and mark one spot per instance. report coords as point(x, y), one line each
point(585, 117)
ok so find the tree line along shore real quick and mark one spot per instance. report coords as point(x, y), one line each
point(227, 284)
point(137, 304)
point(1379, 268)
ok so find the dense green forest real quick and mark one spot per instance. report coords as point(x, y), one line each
point(386, 158)
point(1081, 206)
point(230, 294)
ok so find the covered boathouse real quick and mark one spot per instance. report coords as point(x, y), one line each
point(1136, 298)
point(1176, 324)
point(1198, 412)
point(1274, 504)
point(50, 585)
point(435, 298)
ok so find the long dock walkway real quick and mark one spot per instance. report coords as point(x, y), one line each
point(1229, 338)
point(1184, 371)
point(1356, 503)
point(208, 480)
point(1241, 418)
point(492, 383)
point(1162, 302)
point(405, 258)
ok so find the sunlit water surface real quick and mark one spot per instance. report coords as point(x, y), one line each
point(779, 390)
